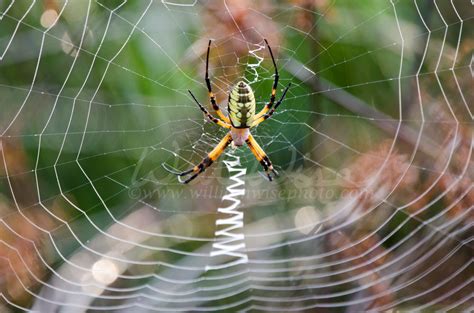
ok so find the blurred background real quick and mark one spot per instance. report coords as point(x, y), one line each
point(373, 143)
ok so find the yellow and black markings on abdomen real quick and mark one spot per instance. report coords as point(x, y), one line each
point(241, 105)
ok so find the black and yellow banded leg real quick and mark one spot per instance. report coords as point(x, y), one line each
point(261, 157)
point(206, 162)
point(269, 105)
point(215, 106)
point(257, 120)
point(212, 118)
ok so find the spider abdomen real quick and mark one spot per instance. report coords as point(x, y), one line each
point(241, 105)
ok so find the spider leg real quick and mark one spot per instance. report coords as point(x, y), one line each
point(261, 157)
point(269, 105)
point(205, 163)
point(212, 118)
point(215, 106)
point(258, 120)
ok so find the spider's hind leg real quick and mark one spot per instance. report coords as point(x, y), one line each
point(215, 106)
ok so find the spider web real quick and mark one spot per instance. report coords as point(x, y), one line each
point(373, 143)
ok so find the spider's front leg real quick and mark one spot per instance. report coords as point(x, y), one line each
point(261, 157)
point(205, 163)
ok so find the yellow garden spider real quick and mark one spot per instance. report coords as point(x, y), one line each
point(242, 117)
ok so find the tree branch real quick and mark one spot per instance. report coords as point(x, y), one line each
point(359, 107)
